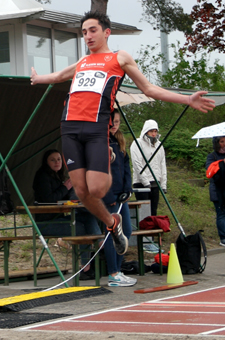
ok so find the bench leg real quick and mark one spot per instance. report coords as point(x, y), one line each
point(75, 263)
point(6, 262)
point(97, 266)
point(160, 254)
point(140, 255)
point(34, 259)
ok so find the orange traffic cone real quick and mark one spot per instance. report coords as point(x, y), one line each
point(174, 274)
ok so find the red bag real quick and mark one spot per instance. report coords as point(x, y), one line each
point(165, 259)
point(213, 168)
point(154, 222)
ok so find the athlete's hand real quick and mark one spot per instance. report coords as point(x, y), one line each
point(200, 103)
point(33, 77)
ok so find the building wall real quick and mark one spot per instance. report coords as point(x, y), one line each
point(18, 45)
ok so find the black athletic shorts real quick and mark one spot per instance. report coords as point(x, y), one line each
point(85, 145)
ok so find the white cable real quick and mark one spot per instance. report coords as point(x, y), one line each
point(70, 278)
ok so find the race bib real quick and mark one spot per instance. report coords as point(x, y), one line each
point(91, 81)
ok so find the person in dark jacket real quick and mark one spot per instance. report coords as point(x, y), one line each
point(121, 184)
point(51, 185)
point(217, 185)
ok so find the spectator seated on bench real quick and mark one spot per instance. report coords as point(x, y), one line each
point(51, 185)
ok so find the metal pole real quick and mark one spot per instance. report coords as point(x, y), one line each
point(131, 131)
point(168, 133)
point(33, 222)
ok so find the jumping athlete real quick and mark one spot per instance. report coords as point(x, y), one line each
point(87, 115)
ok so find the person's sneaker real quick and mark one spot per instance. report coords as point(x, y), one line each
point(151, 248)
point(120, 280)
point(88, 275)
point(120, 241)
point(222, 243)
point(112, 155)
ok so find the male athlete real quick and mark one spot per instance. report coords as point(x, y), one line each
point(87, 116)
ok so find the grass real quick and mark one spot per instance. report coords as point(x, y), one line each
point(191, 206)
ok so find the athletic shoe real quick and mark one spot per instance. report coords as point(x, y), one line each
point(88, 275)
point(112, 155)
point(120, 241)
point(120, 280)
point(222, 243)
point(151, 248)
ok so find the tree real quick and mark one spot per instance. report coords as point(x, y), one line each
point(195, 74)
point(209, 29)
point(167, 16)
point(44, 1)
point(99, 5)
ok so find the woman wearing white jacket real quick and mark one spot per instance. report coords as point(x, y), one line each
point(149, 142)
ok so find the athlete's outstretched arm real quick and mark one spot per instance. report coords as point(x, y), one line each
point(52, 78)
point(196, 100)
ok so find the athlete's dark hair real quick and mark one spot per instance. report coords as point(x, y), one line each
point(102, 18)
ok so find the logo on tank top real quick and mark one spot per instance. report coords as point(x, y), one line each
point(69, 161)
point(108, 57)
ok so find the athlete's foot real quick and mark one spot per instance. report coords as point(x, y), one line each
point(112, 155)
point(120, 241)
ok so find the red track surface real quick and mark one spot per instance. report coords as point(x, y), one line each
point(196, 313)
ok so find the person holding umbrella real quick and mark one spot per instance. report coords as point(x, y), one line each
point(215, 165)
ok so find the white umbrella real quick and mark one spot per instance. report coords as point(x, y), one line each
point(125, 98)
point(210, 131)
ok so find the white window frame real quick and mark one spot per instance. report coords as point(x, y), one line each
point(12, 48)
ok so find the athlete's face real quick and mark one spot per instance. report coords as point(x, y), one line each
point(116, 122)
point(94, 36)
point(54, 161)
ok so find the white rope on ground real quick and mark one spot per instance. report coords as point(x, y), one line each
point(70, 278)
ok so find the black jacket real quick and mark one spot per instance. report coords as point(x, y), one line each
point(212, 157)
point(121, 174)
point(48, 189)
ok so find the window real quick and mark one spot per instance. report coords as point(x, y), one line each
point(39, 49)
point(65, 49)
point(4, 53)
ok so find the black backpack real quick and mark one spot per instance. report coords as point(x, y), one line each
point(189, 250)
point(6, 204)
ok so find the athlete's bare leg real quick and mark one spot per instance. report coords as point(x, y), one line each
point(90, 187)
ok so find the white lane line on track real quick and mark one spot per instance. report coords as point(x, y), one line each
point(118, 308)
point(169, 311)
point(213, 331)
point(149, 323)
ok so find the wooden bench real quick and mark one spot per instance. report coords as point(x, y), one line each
point(93, 239)
point(5, 245)
point(77, 240)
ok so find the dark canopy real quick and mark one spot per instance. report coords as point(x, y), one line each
point(18, 103)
